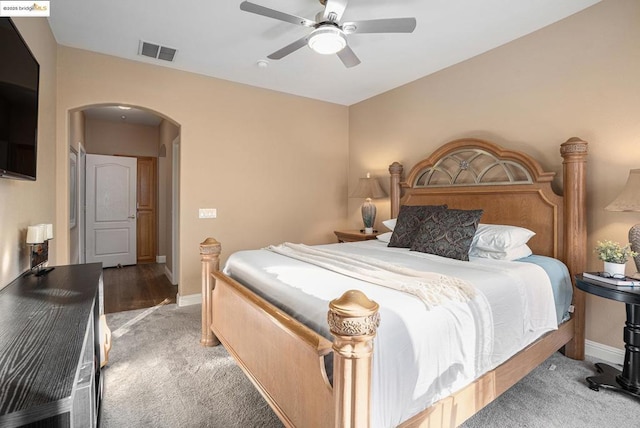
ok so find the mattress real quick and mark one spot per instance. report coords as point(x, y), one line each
point(420, 355)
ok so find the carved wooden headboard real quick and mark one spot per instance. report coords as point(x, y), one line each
point(511, 187)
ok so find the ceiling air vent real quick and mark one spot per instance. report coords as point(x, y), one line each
point(153, 50)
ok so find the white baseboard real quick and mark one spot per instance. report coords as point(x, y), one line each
point(191, 299)
point(169, 275)
point(604, 352)
point(161, 259)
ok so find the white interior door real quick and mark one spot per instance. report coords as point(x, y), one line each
point(111, 210)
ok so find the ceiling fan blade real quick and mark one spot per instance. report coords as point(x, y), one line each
point(270, 13)
point(390, 25)
point(348, 57)
point(334, 6)
point(279, 54)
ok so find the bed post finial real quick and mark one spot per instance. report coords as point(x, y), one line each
point(574, 151)
point(353, 321)
point(210, 256)
point(395, 169)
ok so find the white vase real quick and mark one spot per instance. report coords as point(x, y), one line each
point(614, 268)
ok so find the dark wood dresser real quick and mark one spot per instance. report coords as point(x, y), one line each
point(49, 348)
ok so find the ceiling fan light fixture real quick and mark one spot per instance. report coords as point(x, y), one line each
point(327, 40)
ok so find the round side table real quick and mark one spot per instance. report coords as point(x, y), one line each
point(627, 380)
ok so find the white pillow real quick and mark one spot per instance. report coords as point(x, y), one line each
point(390, 224)
point(511, 254)
point(384, 237)
point(500, 238)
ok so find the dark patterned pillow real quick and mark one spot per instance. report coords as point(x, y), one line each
point(408, 223)
point(448, 233)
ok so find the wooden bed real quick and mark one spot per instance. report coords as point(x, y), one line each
point(510, 186)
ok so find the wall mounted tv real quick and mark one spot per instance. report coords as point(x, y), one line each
point(19, 75)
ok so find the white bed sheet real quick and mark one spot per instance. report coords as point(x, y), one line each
point(420, 355)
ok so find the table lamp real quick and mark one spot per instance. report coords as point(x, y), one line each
point(629, 200)
point(368, 188)
point(38, 237)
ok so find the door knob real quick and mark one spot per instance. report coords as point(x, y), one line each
point(132, 216)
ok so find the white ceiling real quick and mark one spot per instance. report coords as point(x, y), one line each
point(216, 38)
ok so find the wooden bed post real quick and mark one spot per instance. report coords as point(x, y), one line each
point(574, 152)
point(395, 169)
point(210, 256)
point(353, 321)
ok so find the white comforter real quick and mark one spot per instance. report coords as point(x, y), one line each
point(420, 354)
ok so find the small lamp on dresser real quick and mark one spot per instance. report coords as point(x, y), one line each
point(38, 237)
point(368, 188)
point(629, 200)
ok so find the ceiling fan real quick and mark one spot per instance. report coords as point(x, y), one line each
point(329, 34)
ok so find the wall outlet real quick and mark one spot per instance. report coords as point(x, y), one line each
point(207, 213)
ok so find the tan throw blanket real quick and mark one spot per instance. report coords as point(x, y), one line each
point(432, 288)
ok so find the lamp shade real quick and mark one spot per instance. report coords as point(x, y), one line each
point(368, 188)
point(48, 231)
point(36, 234)
point(629, 198)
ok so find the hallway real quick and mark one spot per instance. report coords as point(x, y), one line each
point(136, 287)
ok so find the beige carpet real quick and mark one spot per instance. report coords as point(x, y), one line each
point(159, 376)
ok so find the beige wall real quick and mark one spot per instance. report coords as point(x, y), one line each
point(31, 202)
point(578, 77)
point(274, 165)
point(116, 138)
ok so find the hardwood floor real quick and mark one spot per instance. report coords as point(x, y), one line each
point(136, 287)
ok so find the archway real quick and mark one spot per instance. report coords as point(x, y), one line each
point(128, 130)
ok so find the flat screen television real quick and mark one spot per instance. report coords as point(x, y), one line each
point(19, 79)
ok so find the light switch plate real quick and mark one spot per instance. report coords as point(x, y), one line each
point(207, 213)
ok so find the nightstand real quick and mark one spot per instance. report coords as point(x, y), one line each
point(354, 235)
point(627, 380)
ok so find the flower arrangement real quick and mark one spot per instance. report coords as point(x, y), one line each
point(613, 252)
